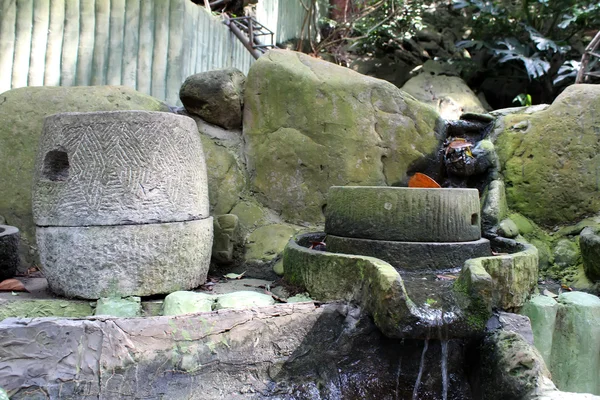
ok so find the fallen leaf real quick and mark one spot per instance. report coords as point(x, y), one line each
point(565, 287)
point(420, 180)
point(231, 275)
point(320, 246)
point(12, 285)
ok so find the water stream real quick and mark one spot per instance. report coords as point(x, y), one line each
point(444, 344)
point(420, 375)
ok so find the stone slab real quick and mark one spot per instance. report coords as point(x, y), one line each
point(121, 167)
point(403, 214)
point(575, 359)
point(541, 310)
point(125, 260)
point(412, 256)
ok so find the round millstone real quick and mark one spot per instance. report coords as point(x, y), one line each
point(125, 260)
point(9, 251)
point(119, 168)
point(403, 214)
point(412, 256)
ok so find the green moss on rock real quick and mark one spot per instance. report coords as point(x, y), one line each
point(267, 242)
point(310, 124)
point(33, 308)
point(550, 158)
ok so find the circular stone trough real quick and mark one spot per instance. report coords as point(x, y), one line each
point(411, 228)
point(120, 202)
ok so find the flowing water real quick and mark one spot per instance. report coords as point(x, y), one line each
point(420, 375)
point(444, 344)
point(432, 292)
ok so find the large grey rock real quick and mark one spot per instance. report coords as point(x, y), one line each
point(310, 125)
point(550, 158)
point(566, 253)
point(412, 256)
point(215, 96)
point(589, 242)
point(125, 260)
point(450, 95)
point(403, 214)
point(9, 251)
point(112, 168)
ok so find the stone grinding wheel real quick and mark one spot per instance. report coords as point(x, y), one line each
point(403, 214)
point(9, 251)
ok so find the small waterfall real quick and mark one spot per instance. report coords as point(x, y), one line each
point(444, 344)
point(418, 382)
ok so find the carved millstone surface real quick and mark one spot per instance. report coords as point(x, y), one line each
point(125, 260)
point(9, 251)
point(120, 201)
point(122, 167)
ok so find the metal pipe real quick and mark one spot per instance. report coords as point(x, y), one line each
point(236, 31)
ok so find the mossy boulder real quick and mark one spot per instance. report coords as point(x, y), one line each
point(226, 171)
point(22, 112)
point(267, 242)
point(116, 307)
point(566, 253)
point(310, 124)
point(450, 95)
point(550, 158)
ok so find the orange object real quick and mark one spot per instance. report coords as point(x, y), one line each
point(420, 180)
point(12, 285)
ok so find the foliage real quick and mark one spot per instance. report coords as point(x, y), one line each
point(523, 99)
point(367, 26)
point(540, 38)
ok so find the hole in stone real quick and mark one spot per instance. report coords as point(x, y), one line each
point(475, 219)
point(56, 166)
